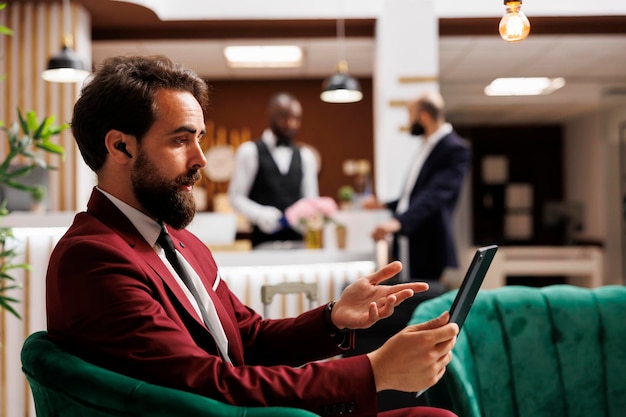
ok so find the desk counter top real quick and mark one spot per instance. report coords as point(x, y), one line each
point(290, 257)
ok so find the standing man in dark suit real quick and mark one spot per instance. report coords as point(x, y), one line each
point(129, 289)
point(272, 172)
point(422, 221)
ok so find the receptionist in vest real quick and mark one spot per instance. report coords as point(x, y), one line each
point(272, 172)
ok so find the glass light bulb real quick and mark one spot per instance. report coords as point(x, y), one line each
point(514, 26)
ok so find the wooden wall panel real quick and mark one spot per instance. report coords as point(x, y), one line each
point(337, 131)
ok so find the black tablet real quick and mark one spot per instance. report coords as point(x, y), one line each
point(471, 283)
point(469, 287)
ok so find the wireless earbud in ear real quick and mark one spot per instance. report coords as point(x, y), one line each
point(122, 148)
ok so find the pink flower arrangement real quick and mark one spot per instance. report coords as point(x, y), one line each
point(311, 213)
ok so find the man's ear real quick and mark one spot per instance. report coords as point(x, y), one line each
point(119, 146)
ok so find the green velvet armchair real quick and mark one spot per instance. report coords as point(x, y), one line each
point(536, 352)
point(64, 385)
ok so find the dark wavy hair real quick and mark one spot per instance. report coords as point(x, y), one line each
point(121, 96)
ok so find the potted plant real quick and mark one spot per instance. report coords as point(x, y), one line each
point(28, 140)
point(346, 197)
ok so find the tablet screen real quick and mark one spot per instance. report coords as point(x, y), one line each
point(471, 283)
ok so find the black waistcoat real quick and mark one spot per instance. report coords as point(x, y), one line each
point(270, 187)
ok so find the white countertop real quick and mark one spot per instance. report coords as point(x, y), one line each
point(290, 257)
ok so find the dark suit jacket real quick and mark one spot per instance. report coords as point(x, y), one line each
point(428, 221)
point(111, 300)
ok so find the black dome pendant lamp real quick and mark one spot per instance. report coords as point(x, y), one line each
point(66, 66)
point(341, 87)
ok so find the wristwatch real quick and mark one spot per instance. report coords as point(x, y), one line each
point(340, 336)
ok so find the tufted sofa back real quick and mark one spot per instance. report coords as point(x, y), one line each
point(542, 352)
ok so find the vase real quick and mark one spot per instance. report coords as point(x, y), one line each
point(313, 238)
point(341, 236)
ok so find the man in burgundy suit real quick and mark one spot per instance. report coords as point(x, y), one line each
point(116, 297)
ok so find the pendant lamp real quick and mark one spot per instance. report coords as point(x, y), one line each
point(341, 87)
point(514, 25)
point(66, 66)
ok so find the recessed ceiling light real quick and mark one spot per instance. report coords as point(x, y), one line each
point(263, 56)
point(526, 86)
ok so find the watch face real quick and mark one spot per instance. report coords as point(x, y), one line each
point(220, 163)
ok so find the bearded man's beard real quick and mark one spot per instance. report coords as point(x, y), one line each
point(162, 198)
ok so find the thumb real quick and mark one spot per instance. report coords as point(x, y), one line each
point(434, 323)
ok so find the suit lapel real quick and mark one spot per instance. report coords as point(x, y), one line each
point(103, 209)
point(156, 264)
point(208, 274)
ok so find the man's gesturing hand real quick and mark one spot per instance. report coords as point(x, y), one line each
point(364, 302)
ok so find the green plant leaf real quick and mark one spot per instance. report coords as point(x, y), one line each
point(4, 303)
point(45, 125)
point(21, 187)
point(18, 266)
point(22, 121)
point(55, 130)
point(33, 124)
point(5, 277)
point(20, 172)
point(5, 250)
point(8, 277)
point(13, 132)
point(4, 290)
point(48, 146)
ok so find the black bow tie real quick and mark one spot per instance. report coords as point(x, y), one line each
point(283, 142)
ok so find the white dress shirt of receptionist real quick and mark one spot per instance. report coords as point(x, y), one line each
point(267, 218)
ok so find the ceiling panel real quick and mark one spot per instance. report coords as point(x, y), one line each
point(590, 64)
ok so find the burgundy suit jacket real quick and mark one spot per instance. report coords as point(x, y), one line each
point(111, 300)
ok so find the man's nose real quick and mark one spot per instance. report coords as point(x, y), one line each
point(198, 159)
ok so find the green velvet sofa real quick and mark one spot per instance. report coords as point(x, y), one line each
point(556, 351)
point(64, 385)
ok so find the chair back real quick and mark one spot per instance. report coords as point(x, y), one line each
point(64, 385)
point(542, 352)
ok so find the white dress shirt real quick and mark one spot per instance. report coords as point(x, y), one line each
point(246, 167)
point(150, 231)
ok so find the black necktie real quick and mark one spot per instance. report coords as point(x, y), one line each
point(165, 241)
